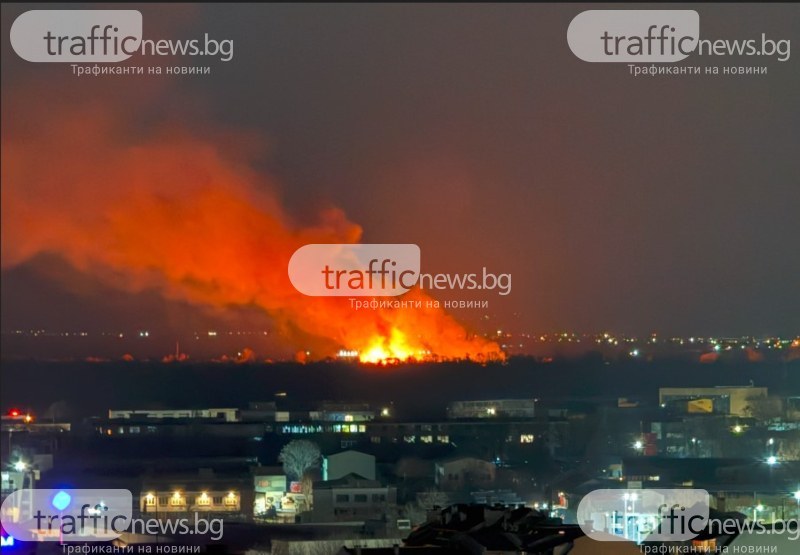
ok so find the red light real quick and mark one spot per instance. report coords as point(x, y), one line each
point(13, 412)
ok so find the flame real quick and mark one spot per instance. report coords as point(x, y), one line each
point(185, 214)
point(382, 350)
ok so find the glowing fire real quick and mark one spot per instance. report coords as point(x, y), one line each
point(384, 349)
point(187, 215)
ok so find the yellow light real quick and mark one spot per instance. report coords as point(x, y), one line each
point(231, 494)
point(176, 495)
point(382, 349)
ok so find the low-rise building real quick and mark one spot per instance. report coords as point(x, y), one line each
point(224, 414)
point(464, 473)
point(352, 498)
point(730, 400)
point(204, 491)
point(341, 464)
point(494, 408)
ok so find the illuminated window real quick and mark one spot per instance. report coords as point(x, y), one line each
point(176, 500)
point(526, 438)
point(150, 500)
point(410, 439)
point(426, 439)
point(203, 500)
point(444, 439)
point(362, 428)
point(230, 499)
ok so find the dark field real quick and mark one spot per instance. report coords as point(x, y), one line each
point(417, 390)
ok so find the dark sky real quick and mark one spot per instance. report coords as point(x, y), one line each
point(636, 204)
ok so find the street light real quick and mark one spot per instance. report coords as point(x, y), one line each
point(20, 466)
point(772, 460)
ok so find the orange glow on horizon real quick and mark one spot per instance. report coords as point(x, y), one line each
point(188, 216)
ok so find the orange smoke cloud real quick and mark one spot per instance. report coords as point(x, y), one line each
point(187, 215)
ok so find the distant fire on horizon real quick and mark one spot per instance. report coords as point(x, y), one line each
point(186, 214)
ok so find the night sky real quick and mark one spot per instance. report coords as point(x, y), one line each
point(636, 204)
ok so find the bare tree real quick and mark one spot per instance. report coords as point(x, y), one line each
point(298, 457)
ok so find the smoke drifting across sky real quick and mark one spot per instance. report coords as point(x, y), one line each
point(638, 205)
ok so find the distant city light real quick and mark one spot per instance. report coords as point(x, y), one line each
point(638, 445)
point(772, 460)
point(737, 429)
point(20, 466)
